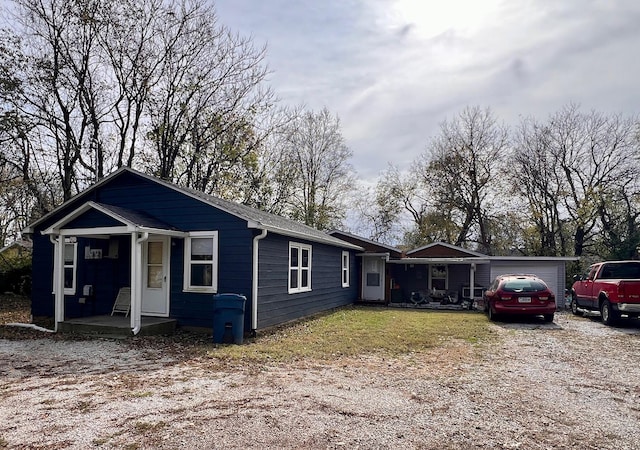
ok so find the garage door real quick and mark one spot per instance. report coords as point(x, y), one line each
point(548, 273)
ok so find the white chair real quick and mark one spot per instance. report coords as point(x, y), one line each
point(123, 302)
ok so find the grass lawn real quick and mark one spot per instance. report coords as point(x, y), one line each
point(346, 332)
point(362, 330)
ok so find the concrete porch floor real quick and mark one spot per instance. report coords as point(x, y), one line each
point(119, 326)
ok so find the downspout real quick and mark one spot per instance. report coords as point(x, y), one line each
point(58, 293)
point(254, 281)
point(136, 302)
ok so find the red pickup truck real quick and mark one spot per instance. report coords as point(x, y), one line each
point(611, 287)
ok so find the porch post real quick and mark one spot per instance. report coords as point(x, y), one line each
point(472, 280)
point(58, 278)
point(136, 282)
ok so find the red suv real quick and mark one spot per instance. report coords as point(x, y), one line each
point(519, 295)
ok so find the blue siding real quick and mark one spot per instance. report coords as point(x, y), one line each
point(235, 243)
point(93, 218)
point(276, 305)
point(42, 301)
point(105, 275)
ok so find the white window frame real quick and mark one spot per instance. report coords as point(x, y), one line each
point(345, 269)
point(188, 262)
point(73, 266)
point(299, 268)
point(432, 268)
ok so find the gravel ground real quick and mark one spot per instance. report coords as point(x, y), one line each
point(571, 384)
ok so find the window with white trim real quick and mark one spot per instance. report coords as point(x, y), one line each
point(201, 261)
point(439, 277)
point(345, 269)
point(299, 267)
point(70, 266)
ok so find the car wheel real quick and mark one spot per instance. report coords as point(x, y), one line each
point(549, 317)
point(574, 305)
point(492, 316)
point(609, 316)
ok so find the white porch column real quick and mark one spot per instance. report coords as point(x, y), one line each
point(136, 283)
point(472, 280)
point(58, 278)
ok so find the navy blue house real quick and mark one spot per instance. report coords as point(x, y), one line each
point(175, 248)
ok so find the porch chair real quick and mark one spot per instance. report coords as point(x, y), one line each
point(123, 302)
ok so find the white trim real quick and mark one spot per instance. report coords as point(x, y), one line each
point(446, 276)
point(71, 290)
point(187, 287)
point(470, 253)
point(299, 235)
point(345, 269)
point(166, 281)
point(369, 241)
point(300, 268)
point(471, 260)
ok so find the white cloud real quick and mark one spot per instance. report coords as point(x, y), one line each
point(394, 69)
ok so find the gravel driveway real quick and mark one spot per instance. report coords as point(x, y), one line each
point(571, 384)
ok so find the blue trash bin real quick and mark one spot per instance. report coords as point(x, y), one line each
point(228, 318)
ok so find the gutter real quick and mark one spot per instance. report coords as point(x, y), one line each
point(254, 281)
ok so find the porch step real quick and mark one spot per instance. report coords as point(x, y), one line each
point(117, 326)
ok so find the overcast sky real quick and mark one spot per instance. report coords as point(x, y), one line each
point(393, 70)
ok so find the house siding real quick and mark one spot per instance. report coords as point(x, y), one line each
point(42, 304)
point(276, 305)
point(137, 193)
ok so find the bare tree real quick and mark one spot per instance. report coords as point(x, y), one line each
point(315, 152)
point(156, 84)
point(209, 89)
point(461, 171)
point(535, 179)
point(592, 153)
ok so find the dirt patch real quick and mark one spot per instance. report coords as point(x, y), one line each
point(571, 384)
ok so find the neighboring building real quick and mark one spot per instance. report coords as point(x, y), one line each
point(440, 269)
point(175, 248)
point(17, 250)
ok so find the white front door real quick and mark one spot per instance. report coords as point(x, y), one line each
point(155, 276)
point(373, 280)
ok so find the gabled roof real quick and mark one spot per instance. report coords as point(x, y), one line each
point(19, 243)
point(132, 220)
point(368, 244)
point(442, 249)
point(255, 218)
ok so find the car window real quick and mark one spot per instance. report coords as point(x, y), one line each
point(523, 285)
point(623, 271)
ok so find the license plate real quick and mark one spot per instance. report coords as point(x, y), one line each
point(524, 299)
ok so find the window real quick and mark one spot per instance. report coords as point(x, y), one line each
point(69, 268)
point(299, 268)
point(201, 261)
point(439, 278)
point(345, 269)
point(373, 271)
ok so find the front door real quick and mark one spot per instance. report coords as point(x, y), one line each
point(155, 277)
point(373, 278)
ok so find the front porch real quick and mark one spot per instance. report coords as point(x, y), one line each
point(117, 326)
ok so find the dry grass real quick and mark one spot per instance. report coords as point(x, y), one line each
point(356, 330)
point(347, 332)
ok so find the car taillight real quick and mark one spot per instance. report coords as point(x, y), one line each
point(543, 298)
point(504, 298)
